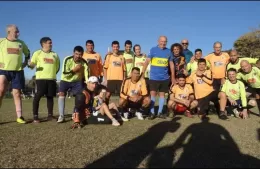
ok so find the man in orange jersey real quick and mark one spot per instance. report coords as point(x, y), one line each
point(94, 60)
point(114, 69)
point(182, 98)
point(218, 61)
point(134, 94)
point(204, 91)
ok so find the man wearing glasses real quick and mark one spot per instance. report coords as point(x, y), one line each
point(187, 53)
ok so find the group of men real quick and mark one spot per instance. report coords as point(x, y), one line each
point(191, 81)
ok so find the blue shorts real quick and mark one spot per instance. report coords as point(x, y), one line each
point(16, 78)
point(239, 104)
point(75, 87)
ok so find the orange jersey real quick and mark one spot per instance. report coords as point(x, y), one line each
point(95, 63)
point(180, 93)
point(218, 64)
point(115, 66)
point(130, 89)
point(202, 85)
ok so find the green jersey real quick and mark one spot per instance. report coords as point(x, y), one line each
point(11, 54)
point(252, 78)
point(68, 65)
point(235, 91)
point(47, 64)
point(129, 60)
point(237, 64)
point(192, 67)
point(139, 62)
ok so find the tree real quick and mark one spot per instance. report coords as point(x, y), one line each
point(248, 45)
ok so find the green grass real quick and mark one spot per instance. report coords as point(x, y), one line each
point(159, 143)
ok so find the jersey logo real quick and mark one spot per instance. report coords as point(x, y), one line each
point(253, 80)
point(134, 92)
point(13, 50)
point(218, 63)
point(129, 61)
point(91, 61)
point(2, 65)
point(48, 61)
point(116, 64)
point(233, 91)
point(200, 81)
point(182, 96)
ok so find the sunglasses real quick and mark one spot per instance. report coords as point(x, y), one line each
point(185, 43)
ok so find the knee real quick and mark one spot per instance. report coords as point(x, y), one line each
point(252, 103)
point(194, 103)
point(122, 102)
point(222, 95)
point(61, 94)
point(146, 101)
point(170, 104)
point(16, 93)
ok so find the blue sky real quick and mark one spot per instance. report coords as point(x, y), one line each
point(72, 23)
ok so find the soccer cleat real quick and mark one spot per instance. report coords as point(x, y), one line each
point(223, 116)
point(162, 116)
point(60, 119)
point(50, 118)
point(126, 115)
point(124, 119)
point(139, 116)
point(21, 120)
point(115, 123)
point(36, 121)
point(76, 125)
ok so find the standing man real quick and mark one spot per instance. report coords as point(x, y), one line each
point(11, 67)
point(47, 65)
point(129, 57)
point(218, 61)
point(160, 58)
point(114, 69)
point(187, 53)
point(94, 61)
point(74, 70)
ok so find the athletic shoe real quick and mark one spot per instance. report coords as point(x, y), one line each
point(223, 116)
point(61, 119)
point(151, 117)
point(115, 123)
point(126, 115)
point(76, 125)
point(21, 120)
point(124, 119)
point(50, 118)
point(162, 116)
point(36, 120)
point(139, 116)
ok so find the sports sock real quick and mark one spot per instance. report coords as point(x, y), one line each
point(161, 104)
point(61, 104)
point(152, 104)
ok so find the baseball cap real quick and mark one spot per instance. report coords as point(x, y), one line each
point(93, 79)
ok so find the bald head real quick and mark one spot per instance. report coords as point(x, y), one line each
point(233, 56)
point(162, 42)
point(245, 66)
point(185, 43)
point(12, 32)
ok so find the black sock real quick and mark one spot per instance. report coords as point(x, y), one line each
point(36, 101)
point(50, 104)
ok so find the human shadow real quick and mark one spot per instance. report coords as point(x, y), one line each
point(258, 133)
point(204, 145)
point(2, 123)
point(132, 153)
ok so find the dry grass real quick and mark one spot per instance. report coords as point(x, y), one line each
point(180, 142)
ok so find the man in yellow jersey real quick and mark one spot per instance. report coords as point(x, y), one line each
point(129, 57)
point(218, 62)
point(11, 67)
point(235, 60)
point(114, 70)
point(94, 61)
point(134, 95)
point(47, 65)
point(74, 70)
point(140, 60)
point(233, 95)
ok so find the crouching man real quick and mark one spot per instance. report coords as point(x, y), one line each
point(182, 98)
point(84, 111)
point(233, 96)
point(134, 95)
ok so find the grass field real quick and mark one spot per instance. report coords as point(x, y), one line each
point(178, 142)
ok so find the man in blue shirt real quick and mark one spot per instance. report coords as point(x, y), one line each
point(187, 53)
point(159, 58)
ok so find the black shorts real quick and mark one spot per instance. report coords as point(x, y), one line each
point(16, 78)
point(147, 84)
point(99, 119)
point(114, 86)
point(203, 103)
point(253, 91)
point(217, 84)
point(46, 87)
point(161, 86)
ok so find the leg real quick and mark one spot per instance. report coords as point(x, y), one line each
point(3, 87)
point(193, 104)
point(36, 101)
point(50, 104)
point(61, 104)
point(222, 101)
point(17, 102)
point(154, 86)
point(51, 93)
point(105, 111)
point(162, 90)
point(123, 107)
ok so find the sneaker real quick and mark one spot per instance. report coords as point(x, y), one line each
point(236, 113)
point(115, 123)
point(162, 116)
point(124, 119)
point(60, 119)
point(36, 121)
point(21, 120)
point(76, 125)
point(223, 116)
point(126, 115)
point(188, 114)
point(139, 116)
point(50, 118)
point(151, 117)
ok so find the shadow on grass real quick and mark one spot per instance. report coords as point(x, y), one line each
point(7, 122)
point(204, 145)
point(132, 153)
point(258, 133)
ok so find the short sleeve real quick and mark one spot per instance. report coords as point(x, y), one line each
point(150, 54)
